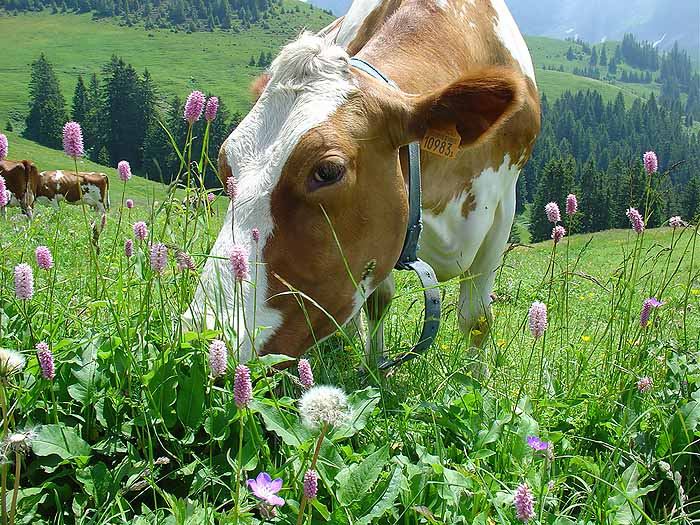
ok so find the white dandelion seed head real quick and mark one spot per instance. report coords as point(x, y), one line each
point(11, 363)
point(323, 405)
point(18, 442)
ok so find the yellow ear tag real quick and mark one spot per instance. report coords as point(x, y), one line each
point(441, 142)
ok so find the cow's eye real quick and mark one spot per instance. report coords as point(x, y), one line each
point(327, 172)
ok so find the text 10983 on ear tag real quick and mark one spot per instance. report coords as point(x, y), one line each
point(441, 142)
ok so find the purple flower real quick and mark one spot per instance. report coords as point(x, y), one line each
point(255, 234)
point(537, 444)
point(4, 146)
point(231, 188)
point(184, 261)
point(43, 257)
point(129, 203)
point(239, 262)
point(140, 230)
point(651, 162)
point(24, 281)
point(242, 387)
point(124, 170)
point(571, 204)
point(645, 384)
point(558, 233)
point(73, 140)
point(647, 306)
point(45, 358)
point(128, 248)
point(524, 503)
point(306, 376)
point(4, 194)
point(553, 213)
point(211, 109)
point(635, 219)
point(310, 484)
point(218, 358)
point(676, 222)
point(537, 319)
point(194, 106)
point(266, 489)
point(159, 257)
point(211, 197)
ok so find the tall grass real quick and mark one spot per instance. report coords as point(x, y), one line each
point(135, 427)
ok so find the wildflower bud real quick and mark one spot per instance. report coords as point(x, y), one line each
point(128, 248)
point(306, 376)
point(211, 109)
point(4, 146)
point(4, 193)
point(242, 387)
point(635, 219)
point(140, 230)
point(44, 260)
point(184, 261)
point(647, 306)
point(310, 484)
point(239, 262)
point(558, 233)
point(524, 503)
point(159, 257)
point(255, 234)
point(571, 204)
point(45, 358)
point(651, 162)
point(73, 140)
point(537, 319)
point(553, 213)
point(124, 170)
point(676, 222)
point(231, 188)
point(644, 384)
point(129, 204)
point(24, 282)
point(194, 106)
point(218, 358)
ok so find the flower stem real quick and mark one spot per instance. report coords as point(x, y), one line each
point(314, 460)
point(238, 463)
point(18, 468)
point(3, 467)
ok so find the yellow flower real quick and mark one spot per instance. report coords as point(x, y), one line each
point(586, 338)
point(695, 291)
point(476, 332)
point(501, 343)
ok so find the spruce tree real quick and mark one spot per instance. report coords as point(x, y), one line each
point(47, 106)
point(555, 182)
point(81, 102)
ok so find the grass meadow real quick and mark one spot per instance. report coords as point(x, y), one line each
point(594, 420)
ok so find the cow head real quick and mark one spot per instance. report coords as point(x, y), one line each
point(318, 172)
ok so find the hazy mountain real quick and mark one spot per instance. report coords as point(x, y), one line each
point(662, 21)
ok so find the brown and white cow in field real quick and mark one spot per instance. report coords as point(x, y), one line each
point(52, 187)
point(322, 145)
point(17, 175)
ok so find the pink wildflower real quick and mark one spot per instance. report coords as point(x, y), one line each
point(242, 387)
point(524, 503)
point(306, 376)
point(231, 188)
point(211, 109)
point(255, 234)
point(45, 358)
point(4, 146)
point(676, 222)
point(24, 282)
point(239, 262)
point(128, 248)
point(218, 358)
point(4, 194)
point(140, 230)
point(571, 204)
point(651, 162)
point(310, 484)
point(645, 384)
point(635, 219)
point(73, 140)
point(553, 213)
point(159, 257)
point(124, 170)
point(184, 261)
point(194, 106)
point(647, 306)
point(558, 233)
point(129, 203)
point(211, 197)
point(537, 319)
point(44, 260)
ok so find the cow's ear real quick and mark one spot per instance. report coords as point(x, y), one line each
point(475, 106)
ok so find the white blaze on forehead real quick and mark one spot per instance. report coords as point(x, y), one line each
point(310, 80)
point(509, 34)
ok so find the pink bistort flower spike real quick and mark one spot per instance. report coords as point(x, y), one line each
point(553, 213)
point(44, 260)
point(73, 140)
point(194, 106)
point(651, 162)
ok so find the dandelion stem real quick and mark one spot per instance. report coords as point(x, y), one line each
point(18, 467)
point(3, 467)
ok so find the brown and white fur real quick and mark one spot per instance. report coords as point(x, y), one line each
point(458, 63)
point(92, 188)
point(17, 175)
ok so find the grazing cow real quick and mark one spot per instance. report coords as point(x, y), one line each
point(323, 146)
point(17, 176)
point(52, 187)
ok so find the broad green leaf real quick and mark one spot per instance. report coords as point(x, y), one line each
point(491, 435)
point(361, 404)
point(454, 486)
point(357, 480)
point(190, 398)
point(60, 440)
point(286, 426)
point(387, 500)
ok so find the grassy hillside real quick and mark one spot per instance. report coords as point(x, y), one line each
point(215, 62)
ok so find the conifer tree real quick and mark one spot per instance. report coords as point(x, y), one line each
point(47, 106)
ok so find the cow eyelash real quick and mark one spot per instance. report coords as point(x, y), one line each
point(327, 173)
